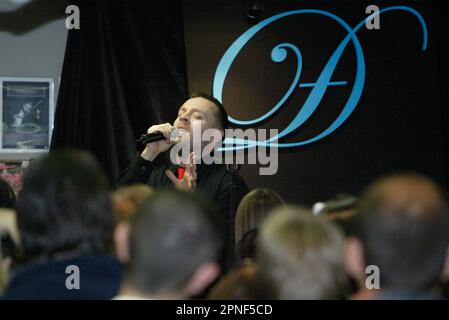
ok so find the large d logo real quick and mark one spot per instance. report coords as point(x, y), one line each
point(279, 54)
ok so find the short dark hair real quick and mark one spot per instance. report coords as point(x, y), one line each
point(403, 226)
point(171, 237)
point(222, 114)
point(65, 205)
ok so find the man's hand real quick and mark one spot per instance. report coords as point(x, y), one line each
point(188, 182)
point(153, 149)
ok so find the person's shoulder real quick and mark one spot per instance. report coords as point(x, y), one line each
point(101, 279)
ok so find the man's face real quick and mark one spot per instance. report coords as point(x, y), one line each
point(196, 112)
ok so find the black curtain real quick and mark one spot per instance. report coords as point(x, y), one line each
point(124, 70)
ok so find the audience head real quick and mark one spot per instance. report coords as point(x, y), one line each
point(403, 229)
point(251, 212)
point(126, 201)
point(65, 207)
point(300, 256)
point(172, 248)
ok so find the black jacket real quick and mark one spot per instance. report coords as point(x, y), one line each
point(214, 183)
point(100, 278)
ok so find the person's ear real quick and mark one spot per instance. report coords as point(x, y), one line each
point(121, 241)
point(202, 277)
point(354, 259)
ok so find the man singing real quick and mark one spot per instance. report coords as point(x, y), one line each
point(201, 112)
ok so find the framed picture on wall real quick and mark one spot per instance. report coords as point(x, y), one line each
point(26, 114)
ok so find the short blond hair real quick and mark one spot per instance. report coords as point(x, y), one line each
point(300, 256)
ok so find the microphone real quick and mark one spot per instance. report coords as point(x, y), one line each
point(158, 136)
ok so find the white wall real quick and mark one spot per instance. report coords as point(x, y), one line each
point(38, 53)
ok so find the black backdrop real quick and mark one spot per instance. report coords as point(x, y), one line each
point(123, 70)
point(398, 124)
point(126, 69)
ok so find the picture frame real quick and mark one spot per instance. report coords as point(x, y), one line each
point(26, 115)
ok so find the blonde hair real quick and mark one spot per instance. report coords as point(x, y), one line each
point(300, 256)
point(8, 224)
point(127, 199)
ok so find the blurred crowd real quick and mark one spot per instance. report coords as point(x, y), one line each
point(69, 235)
